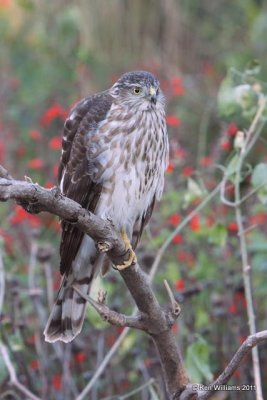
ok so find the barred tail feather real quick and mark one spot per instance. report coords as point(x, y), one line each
point(67, 315)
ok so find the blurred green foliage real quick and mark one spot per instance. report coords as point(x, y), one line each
point(53, 54)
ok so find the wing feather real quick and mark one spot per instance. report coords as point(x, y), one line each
point(141, 223)
point(74, 175)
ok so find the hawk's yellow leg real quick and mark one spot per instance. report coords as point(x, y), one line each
point(132, 257)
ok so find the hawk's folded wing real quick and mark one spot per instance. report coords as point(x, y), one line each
point(74, 175)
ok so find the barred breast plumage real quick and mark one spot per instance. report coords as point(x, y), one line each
point(132, 165)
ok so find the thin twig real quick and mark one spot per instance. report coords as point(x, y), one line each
point(152, 272)
point(179, 227)
point(170, 356)
point(113, 317)
point(232, 366)
point(40, 315)
point(70, 388)
point(243, 248)
point(229, 203)
point(89, 223)
point(176, 309)
point(99, 357)
point(4, 173)
point(2, 281)
point(253, 191)
point(13, 376)
point(256, 126)
point(135, 391)
point(153, 320)
point(101, 368)
point(9, 393)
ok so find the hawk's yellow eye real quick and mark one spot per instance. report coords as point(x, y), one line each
point(137, 90)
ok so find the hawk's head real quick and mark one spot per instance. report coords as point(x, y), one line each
point(139, 90)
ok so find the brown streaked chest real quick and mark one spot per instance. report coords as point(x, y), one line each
point(124, 142)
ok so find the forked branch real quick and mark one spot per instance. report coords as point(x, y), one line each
point(151, 318)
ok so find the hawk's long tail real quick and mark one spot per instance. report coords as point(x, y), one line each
point(67, 316)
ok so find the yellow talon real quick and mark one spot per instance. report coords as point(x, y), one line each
point(132, 257)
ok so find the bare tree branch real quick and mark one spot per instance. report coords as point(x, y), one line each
point(160, 328)
point(176, 309)
point(244, 349)
point(247, 271)
point(223, 378)
point(35, 199)
point(113, 317)
point(151, 318)
point(247, 144)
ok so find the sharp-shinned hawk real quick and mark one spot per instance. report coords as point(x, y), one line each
point(114, 155)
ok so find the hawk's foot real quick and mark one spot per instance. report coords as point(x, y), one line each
point(132, 257)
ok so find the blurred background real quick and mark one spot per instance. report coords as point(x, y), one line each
point(51, 55)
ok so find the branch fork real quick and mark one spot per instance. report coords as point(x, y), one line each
point(108, 315)
point(150, 317)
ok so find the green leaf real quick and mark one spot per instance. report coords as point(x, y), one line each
point(194, 191)
point(238, 97)
point(197, 361)
point(16, 342)
point(253, 68)
point(257, 243)
point(259, 181)
point(194, 188)
point(217, 235)
point(69, 21)
point(227, 104)
point(202, 319)
point(246, 97)
point(259, 175)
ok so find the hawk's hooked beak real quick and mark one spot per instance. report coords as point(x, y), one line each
point(153, 95)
